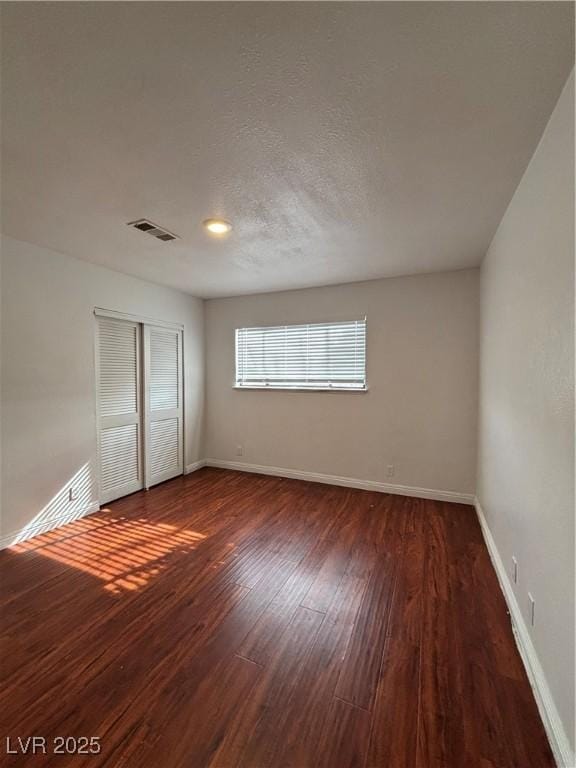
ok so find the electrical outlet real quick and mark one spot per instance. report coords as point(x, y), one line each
point(239, 450)
point(390, 469)
point(531, 608)
point(72, 494)
point(514, 570)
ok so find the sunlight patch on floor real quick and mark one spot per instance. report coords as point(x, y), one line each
point(125, 554)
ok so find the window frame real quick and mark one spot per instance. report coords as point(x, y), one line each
point(333, 389)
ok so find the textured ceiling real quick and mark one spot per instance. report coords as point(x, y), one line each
point(345, 141)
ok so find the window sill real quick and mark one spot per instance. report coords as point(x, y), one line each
point(333, 390)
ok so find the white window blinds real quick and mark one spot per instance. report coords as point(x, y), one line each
point(310, 356)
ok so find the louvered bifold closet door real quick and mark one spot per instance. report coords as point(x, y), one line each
point(119, 408)
point(163, 407)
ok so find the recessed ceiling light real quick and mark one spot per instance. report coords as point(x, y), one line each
point(217, 226)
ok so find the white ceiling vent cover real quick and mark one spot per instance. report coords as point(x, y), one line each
point(152, 229)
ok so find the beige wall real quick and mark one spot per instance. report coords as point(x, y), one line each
point(48, 384)
point(526, 424)
point(419, 413)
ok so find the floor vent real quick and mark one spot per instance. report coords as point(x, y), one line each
point(152, 229)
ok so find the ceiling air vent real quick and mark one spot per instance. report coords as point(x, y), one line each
point(151, 229)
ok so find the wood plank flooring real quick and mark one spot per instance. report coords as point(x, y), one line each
point(225, 619)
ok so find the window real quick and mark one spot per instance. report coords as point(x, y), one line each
point(310, 356)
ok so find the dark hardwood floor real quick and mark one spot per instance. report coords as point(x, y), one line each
point(226, 619)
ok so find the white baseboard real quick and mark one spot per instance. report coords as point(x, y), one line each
point(349, 482)
point(557, 737)
point(194, 466)
point(9, 539)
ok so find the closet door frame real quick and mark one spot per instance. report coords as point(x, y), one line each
point(143, 321)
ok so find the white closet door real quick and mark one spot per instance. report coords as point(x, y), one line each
point(163, 403)
point(119, 408)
